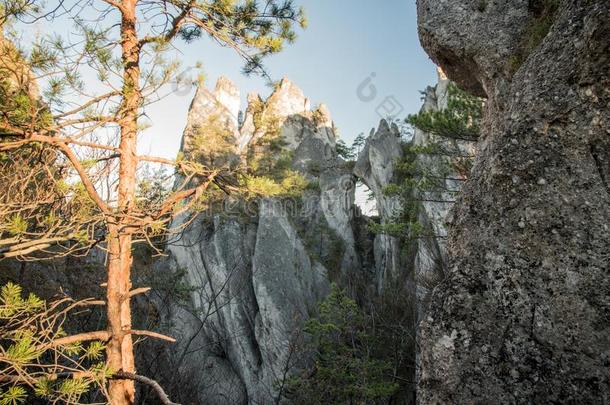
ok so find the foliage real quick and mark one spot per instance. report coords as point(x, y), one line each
point(18, 107)
point(246, 25)
point(405, 223)
point(71, 105)
point(35, 202)
point(33, 358)
point(313, 186)
point(40, 209)
point(359, 143)
point(18, 98)
point(262, 186)
point(10, 9)
point(393, 316)
point(153, 188)
point(314, 168)
point(345, 369)
point(213, 143)
point(460, 120)
point(350, 153)
point(397, 229)
point(417, 181)
point(345, 151)
point(322, 243)
point(268, 154)
point(269, 170)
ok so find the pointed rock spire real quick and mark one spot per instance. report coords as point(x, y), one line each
point(324, 116)
point(288, 99)
point(219, 108)
point(228, 95)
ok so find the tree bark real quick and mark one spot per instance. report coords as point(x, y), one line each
point(120, 346)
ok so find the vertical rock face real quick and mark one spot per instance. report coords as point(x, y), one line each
point(228, 96)
point(257, 274)
point(288, 100)
point(222, 105)
point(524, 314)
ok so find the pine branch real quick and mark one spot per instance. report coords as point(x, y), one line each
point(152, 335)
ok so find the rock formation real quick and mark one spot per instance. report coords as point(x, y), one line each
point(376, 167)
point(523, 316)
point(258, 274)
point(237, 286)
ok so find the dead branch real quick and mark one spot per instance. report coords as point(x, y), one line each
point(152, 335)
point(137, 291)
point(121, 375)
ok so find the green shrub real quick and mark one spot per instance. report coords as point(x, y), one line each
point(345, 369)
point(414, 181)
point(344, 151)
point(323, 244)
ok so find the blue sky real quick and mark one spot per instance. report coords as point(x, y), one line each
point(347, 41)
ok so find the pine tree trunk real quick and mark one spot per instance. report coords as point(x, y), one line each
point(120, 346)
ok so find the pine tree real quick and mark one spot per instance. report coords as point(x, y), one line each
point(459, 120)
point(358, 143)
point(345, 368)
point(125, 43)
point(346, 152)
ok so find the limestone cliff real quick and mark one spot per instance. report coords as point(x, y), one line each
point(523, 315)
point(257, 274)
point(237, 285)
